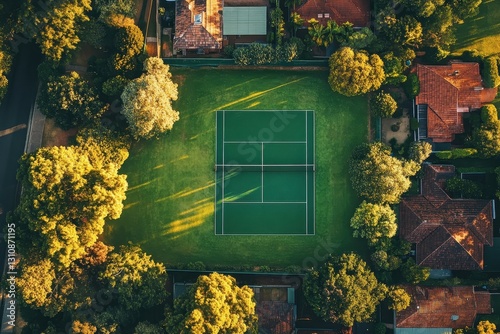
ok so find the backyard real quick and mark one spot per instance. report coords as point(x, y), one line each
point(169, 209)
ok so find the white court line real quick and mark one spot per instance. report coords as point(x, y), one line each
point(223, 172)
point(265, 142)
point(235, 202)
point(262, 173)
point(306, 176)
point(215, 172)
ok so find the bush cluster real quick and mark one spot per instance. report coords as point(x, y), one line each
point(261, 54)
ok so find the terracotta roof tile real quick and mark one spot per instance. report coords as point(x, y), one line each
point(189, 35)
point(433, 307)
point(449, 91)
point(355, 11)
point(448, 233)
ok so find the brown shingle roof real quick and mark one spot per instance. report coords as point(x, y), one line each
point(448, 233)
point(433, 307)
point(355, 11)
point(449, 91)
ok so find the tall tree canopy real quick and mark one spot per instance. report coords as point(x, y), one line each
point(57, 25)
point(214, 304)
point(355, 72)
point(147, 101)
point(65, 200)
point(374, 222)
point(344, 290)
point(140, 282)
point(378, 176)
point(70, 100)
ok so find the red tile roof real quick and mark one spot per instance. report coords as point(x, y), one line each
point(449, 91)
point(448, 233)
point(355, 11)
point(206, 35)
point(433, 307)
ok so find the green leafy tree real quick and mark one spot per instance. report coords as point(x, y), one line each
point(385, 261)
point(65, 200)
point(378, 176)
point(148, 328)
point(486, 327)
point(58, 26)
point(399, 299)
point(78, 327)
point(70, 100)
point(413, 273)
point(214, 304)
point(147, 101)
point(139, 281)
point(129, 40)
point(360, 39)
point(374, 222)
point(419, 151)
point(5, 64)
point(383, 104)
point(486, 137)
point(109, 8)
point(355, 72)
point(344, 290)
point(406, 31)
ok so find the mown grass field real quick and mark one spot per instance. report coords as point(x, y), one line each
point(169, 209)
point(481, 32)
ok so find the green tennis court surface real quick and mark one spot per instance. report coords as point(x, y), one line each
point(265, 172)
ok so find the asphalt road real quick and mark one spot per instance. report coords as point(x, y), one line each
point(14, 115)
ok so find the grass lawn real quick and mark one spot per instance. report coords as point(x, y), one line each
point(169, 209)
point(481, 32)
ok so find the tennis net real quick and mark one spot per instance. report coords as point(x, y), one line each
point(265, 168)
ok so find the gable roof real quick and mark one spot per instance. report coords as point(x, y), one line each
point(355, 11)
point(205, 33)
point(449, 91)
point(448, 233)
point(433, 307)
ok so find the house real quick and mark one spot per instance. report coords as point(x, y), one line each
point(355, 11)
point(198, 26)
point(447, 233)
point(447, 92)
point(438, 310)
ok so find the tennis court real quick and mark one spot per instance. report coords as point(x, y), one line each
point(265, 172)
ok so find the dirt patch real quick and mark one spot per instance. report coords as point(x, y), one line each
point(55, 136)
point(397, 128)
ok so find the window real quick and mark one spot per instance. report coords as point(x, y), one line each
point(327, 15)
point(320, 16)
point(198, 18)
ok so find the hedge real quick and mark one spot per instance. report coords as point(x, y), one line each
point(490, 73)
point(457, 153)
point(260, 54)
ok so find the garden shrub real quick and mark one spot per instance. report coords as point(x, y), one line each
point(457, 187)
point(490, 72)
point(261, 54)
point(457, 153)
point(444, 155)
point(413, 124)
point(412, 86)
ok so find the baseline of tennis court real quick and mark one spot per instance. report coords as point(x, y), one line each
point(265, 172)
